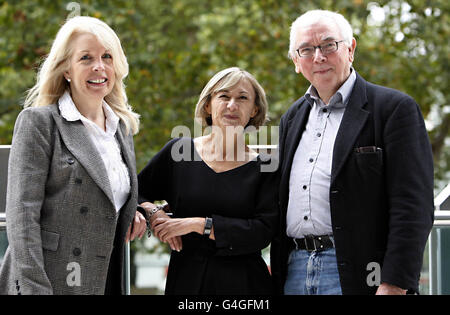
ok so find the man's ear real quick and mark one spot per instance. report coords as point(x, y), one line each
point(352, 49)
point(296, 61)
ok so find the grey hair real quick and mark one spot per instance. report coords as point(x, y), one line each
point(315, 16)
point(223, 80)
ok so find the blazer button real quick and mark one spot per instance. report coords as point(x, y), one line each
point(78, 181)
point(76, 252)
point(84, 210)
point(70, 160)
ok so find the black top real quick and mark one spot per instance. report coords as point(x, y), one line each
point(243, 204)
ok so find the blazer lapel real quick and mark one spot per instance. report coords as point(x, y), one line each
point(78, 142)
point(352, 122)
point(295, 128)
point(127, 155)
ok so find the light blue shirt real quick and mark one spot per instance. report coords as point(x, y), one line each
point(309, 184)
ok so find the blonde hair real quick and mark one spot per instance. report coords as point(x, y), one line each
point(51, 84)
point(223, 80)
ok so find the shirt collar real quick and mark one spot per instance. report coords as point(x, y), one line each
point(340, 98)
point(71, 113)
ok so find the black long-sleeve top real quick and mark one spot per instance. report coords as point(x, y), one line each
point(243, 204)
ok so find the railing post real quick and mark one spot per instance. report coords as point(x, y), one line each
point(432, 266)
point(127, 269)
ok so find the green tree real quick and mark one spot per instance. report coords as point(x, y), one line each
point(175, 46)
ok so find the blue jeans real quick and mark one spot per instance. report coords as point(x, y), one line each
point(312, 273)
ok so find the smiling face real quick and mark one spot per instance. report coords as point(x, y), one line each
point(325, 73)
point(233, 106)
point(91, 71)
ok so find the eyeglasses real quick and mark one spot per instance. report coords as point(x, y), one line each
point(327, 48)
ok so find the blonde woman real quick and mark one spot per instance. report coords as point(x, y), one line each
point(224, 205)
point(72, 188)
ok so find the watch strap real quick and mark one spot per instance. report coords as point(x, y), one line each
point(208, 226)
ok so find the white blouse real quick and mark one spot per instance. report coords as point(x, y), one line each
point(106, 144)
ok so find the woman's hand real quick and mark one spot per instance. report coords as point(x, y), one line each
point(167, 228)
point(137, 227)
point(175, 243)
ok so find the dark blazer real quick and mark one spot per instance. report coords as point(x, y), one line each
point(60, 209)
point(381, 202)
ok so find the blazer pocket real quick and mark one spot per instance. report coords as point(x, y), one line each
point(50, 240)
point(369, 157)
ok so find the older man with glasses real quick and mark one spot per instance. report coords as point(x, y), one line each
point(356, 190)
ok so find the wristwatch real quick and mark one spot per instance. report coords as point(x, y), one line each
point(208, 226)
point(148, 213)
point(152, 211)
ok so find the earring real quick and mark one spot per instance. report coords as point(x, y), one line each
point(68, 80)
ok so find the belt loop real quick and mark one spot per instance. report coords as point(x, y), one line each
point(306, 242)
point(314, 243)
point(295, 242)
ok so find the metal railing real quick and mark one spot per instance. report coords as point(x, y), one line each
point(435, 251)
point(441, 218)
point(127, 269)
point(3, 240)
point(442, 221)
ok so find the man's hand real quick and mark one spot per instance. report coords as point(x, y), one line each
point(389, 289)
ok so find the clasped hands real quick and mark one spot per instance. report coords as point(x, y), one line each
point(139, 225)
point(169, 230)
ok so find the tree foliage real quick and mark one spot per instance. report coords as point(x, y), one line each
point(175, 46)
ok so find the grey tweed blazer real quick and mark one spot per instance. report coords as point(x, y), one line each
point(64, 234)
